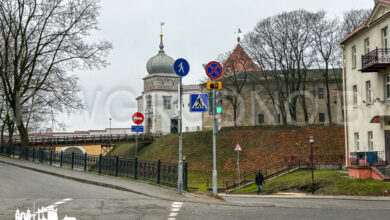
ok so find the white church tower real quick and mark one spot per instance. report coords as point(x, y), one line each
point(158, 101)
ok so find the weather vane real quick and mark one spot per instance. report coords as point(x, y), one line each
point(161, 27)
point(239, 32)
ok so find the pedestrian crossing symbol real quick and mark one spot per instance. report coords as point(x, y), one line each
point(199, 103)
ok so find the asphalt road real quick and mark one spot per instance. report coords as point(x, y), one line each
point(23, 189)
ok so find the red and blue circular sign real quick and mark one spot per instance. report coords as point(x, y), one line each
point(214, 70)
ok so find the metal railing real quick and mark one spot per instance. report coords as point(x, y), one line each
point(367, 159)
point(379, 55)
point(156, 171)
point(275, 169)
point(80, 139)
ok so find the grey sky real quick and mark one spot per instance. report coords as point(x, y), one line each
point(197, 30)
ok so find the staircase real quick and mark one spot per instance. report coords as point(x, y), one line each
point(385, 171)
point(274, 170)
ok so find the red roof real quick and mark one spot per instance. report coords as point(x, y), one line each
point(364, 23)
point(240, 61)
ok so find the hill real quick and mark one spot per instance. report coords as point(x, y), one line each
point(261, 146)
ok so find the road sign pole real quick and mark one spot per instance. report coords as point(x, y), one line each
point(238, 168)
point(215, 191)
point(136, 145)
point(180, 173)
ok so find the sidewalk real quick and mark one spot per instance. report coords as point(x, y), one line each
point(307, 196)
point(138, 187)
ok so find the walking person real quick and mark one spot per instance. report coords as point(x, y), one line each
point(259, 182)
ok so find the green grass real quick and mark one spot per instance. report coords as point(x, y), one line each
point(326, 183)
point(126, 150)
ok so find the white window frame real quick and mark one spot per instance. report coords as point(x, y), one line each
point(387, 87)
point(355, 95)
point(356, 141)
point(167, 102)
point(366, 45)
point(354, 61)
point(384, 36)
point(369, 96)
point(370, 139)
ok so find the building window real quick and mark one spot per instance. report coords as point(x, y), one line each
point(370, 141)
point(355, 95)
point(321, 117)
point(261, 119)
point(368, 92)
point(384, 37)
point(387, 81)
point(167, 102)
point(366, 46)
point(277, 118)
point(148, 102)
point(356, 140)
point(320, 93)
point(354, 57)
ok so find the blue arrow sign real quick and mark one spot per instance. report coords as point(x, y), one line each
point(182, 67)
point(199, 103)
point(137, 128)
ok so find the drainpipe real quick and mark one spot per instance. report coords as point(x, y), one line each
point(345, 110)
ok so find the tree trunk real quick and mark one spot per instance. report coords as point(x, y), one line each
point(235, 115)
point(2, 134)
point(23, 135)
point(327, 93)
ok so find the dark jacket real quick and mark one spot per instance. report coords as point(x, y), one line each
point(259, 179)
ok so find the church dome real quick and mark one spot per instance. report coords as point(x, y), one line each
point(161, 63)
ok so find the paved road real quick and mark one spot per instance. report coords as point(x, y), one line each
point(21, 189)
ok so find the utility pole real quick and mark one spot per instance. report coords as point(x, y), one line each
point(180, 173)
point(311, 140)
point(215, 130)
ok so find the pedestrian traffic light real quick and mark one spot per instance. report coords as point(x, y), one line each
point(218, 102)
point(174, 125)
point(211, 104)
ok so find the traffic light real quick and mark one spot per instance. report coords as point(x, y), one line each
point(211, 104)
point(218, 102)
point(174, 125)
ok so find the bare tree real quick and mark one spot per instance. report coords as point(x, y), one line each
point(353, 18)
point(41, 40)
point(326, 36)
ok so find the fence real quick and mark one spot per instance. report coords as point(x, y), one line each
point(275, 169)
point(160, 172)
point(367, 159)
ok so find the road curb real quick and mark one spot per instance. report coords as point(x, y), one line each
point(111, 186)
point(359, 198)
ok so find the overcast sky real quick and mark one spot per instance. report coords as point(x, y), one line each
point(196, 30)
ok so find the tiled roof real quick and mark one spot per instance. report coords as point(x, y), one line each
point(240, 61)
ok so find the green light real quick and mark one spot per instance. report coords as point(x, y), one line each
point(219, 109)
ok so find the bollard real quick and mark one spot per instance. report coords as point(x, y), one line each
point(158, 171)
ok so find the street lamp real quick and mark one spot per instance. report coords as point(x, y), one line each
point(110, 132)
point(311, 140)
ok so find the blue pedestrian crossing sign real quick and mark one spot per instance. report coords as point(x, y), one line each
point(137, 128)
point(181, 67)
point(199, 103)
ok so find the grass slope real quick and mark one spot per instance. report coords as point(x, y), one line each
point(261, 146)
point(326, 183)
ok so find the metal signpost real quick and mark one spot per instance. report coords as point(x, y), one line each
point(181, 67)
point(214, 71)
point(138, 118)
point(238, 149)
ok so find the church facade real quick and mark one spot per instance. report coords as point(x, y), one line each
point(159, 99)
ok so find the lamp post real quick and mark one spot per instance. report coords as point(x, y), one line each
point(311, 140)
point(110, 131)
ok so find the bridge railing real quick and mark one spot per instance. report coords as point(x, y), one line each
point(156, 171)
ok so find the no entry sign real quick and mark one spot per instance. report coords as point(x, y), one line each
point(138, 118)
